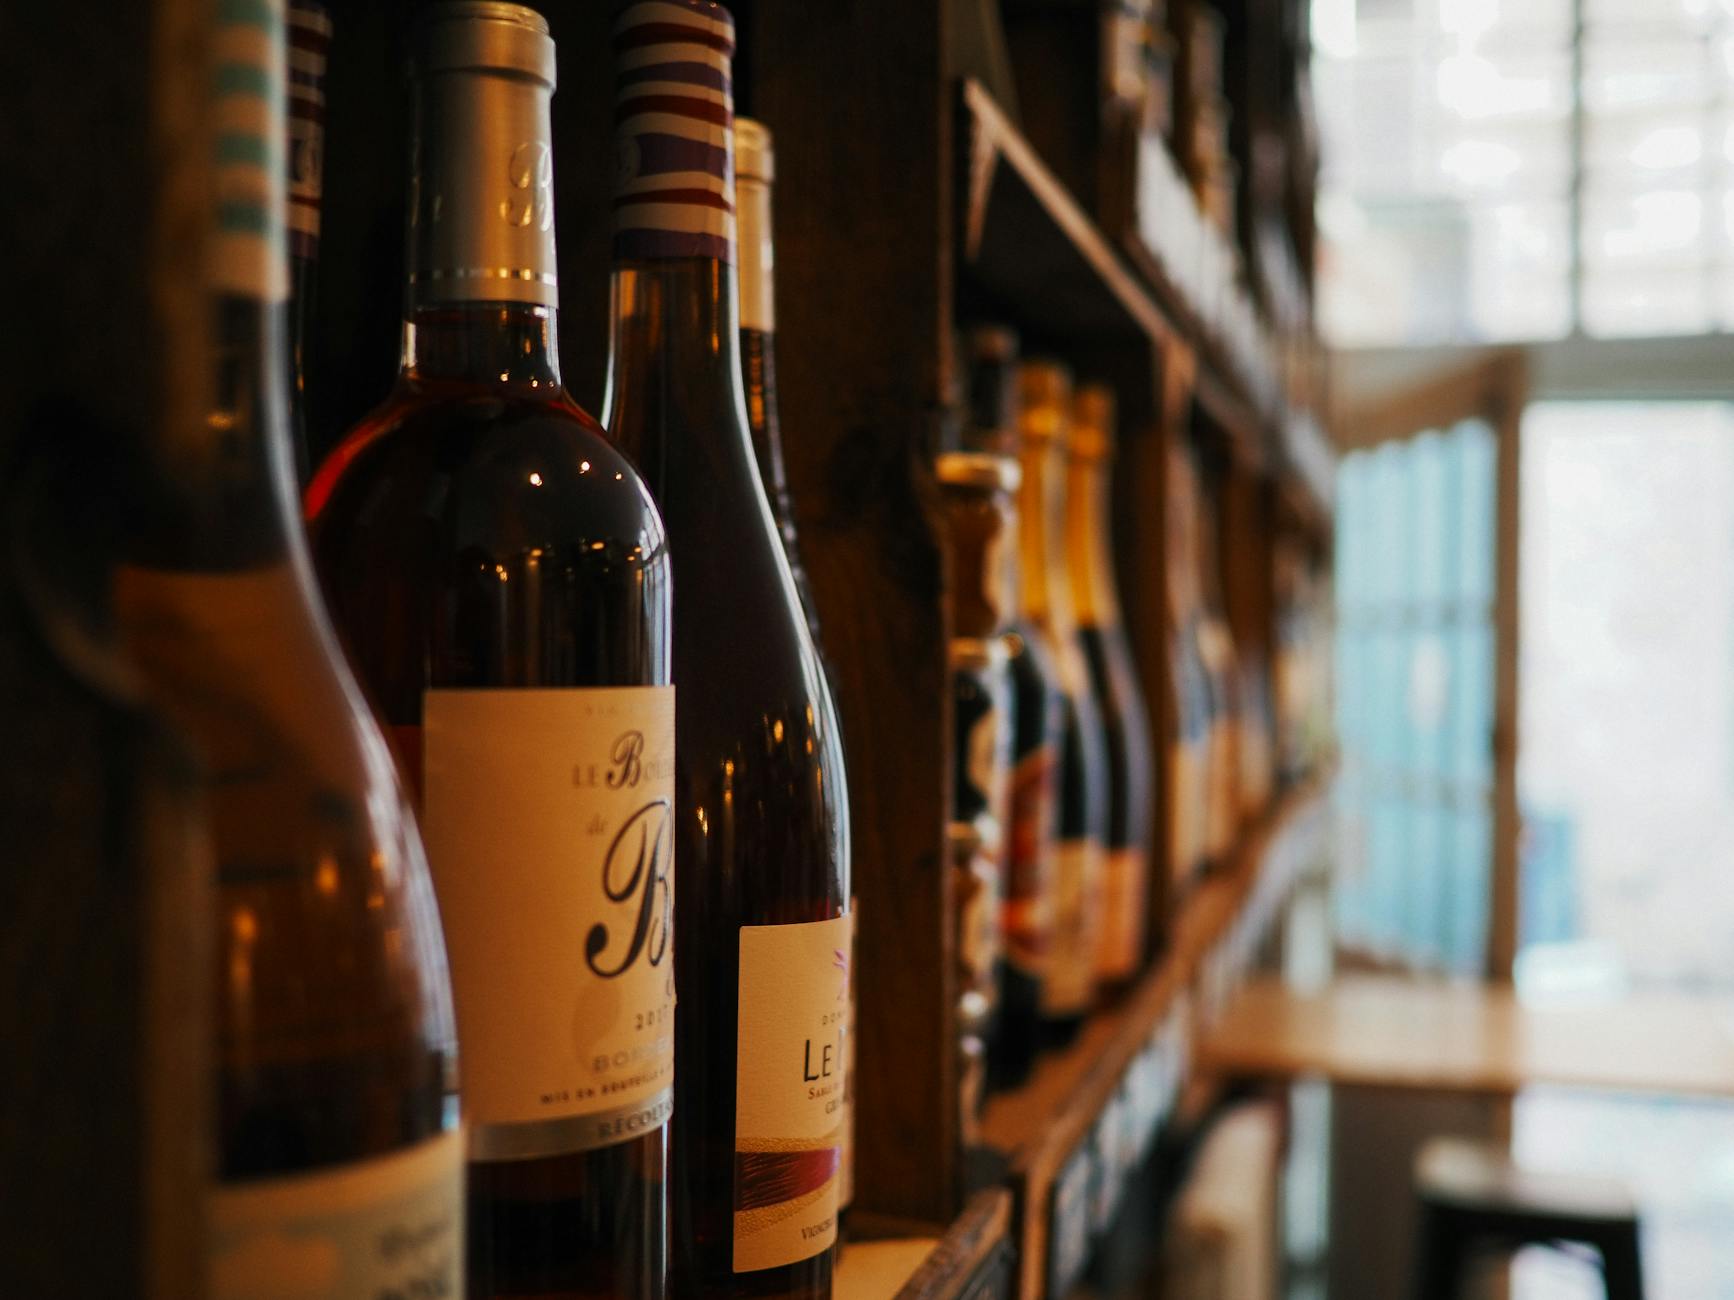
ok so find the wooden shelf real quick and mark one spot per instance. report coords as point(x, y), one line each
point(1027, 242)
point(1040, 1129)
point(973, 1259)
point(1194, 269)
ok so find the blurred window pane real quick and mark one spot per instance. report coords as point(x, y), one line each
point(1623, 73)
point(1478, 88)
point(1512, 308)
point(1639, 151)
point(1415, 698)
point(1660, 226)
point(1627, 593)
point(1689, 16)
point(1649, 302)
point(1446, 205)
point(1500, 159)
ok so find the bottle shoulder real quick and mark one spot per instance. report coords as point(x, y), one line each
point(500, 466)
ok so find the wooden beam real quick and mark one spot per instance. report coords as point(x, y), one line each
point(1505, 399)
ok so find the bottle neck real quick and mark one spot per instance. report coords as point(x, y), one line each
point(483, 285)
point(475, 343)
point(674, 356)
point(758, 299)
point(674, 335)
point(759, 376)
point(1089, 545)
point(220, 496)
point(216, 492)
point(309, 27)
point(1041, 508)
point(758, 313)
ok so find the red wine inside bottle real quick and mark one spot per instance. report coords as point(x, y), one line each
point(761, 812)
point(337, 1149)
point(501, 580)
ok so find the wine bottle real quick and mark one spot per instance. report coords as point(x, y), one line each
point(1216, 644)
point(1247, 576)
point(761, 830)
point(309, 43)
point(501, 579)
point(1189, 700)
point(981, 739)
point(1123, 946)
point(1032, 857)
point(1037, 719)
point(755, 174)
point(337, 1148)
point(976, 488)
point(1069, 989)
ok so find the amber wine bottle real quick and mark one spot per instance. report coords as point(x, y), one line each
point(501, 580)
point(337, 1154)
point(1124, 939)
point(1069, 989)
point(762, 957)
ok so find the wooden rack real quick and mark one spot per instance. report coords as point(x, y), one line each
point(1048, 1126)
point(906, 201)
point(1126, 1082)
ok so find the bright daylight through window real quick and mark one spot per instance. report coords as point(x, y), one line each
point(1525, 169)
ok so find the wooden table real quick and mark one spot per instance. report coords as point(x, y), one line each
point(1395, 1032)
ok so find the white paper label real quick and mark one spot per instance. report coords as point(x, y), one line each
point(390, 1226)
point(790, 1071)
point(548, 822)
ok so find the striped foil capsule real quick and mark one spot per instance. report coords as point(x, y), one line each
point(247, 257)
point(674, 193)
point(309, 46)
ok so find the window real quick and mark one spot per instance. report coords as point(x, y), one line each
point(1626, 761)
point(1415, 699)
point(1499, 170)
point(1626, 775)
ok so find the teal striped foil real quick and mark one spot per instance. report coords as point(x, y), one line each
point(247, 107)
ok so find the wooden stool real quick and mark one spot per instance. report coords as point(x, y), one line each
point(1473, 1196)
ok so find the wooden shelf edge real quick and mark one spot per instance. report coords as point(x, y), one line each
point(967, 1248)
point(1011, 1121)
point(998, 134)
point(1233, 415)
point(1040, 1126)
point(891, 1259)
point(1137, 290)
